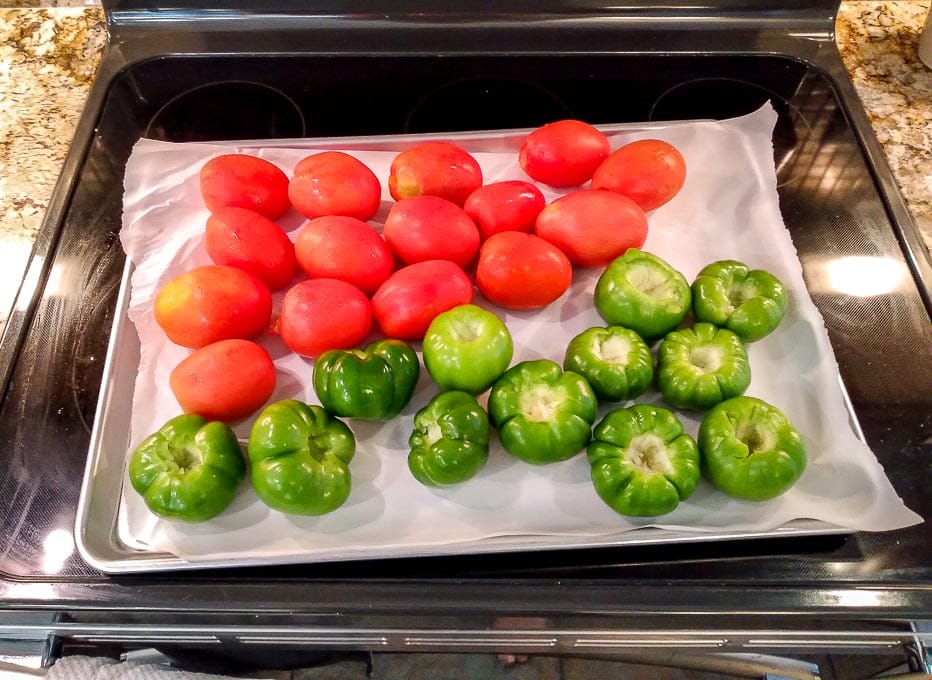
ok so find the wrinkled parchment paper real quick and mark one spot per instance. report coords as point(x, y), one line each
point(727, 209)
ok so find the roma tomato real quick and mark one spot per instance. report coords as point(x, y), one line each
point(437, 169)
point(212, 303)
point(204, 384)
point(431, 228)
point(593, 226)
point(414, 295)
point(334, 183)
point(249, 241)
point(245, 181)
point(522, 271)
point(322, 314)
point(511, 205)
point(650, 172)
point(345, 248)
point(564, 153)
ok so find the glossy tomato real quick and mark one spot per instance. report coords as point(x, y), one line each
point(334, 183)
point(511, 205)
point(593, 226)
point(212, 303)
point(564, 153)
point(322, 314)
point(431, 228)
point(414, 295)
point(650, 172)
point(204, 384)
point(522, 271)
point(249, 241)
point(245, 181)
point(436, 169)
point(345, 248)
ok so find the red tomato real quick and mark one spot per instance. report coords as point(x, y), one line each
point(249, 241)
point(522, 271)
point(564, 153)
point(650, 172)
point(504, 206)
point(593, 226)
point(345, 248)
point(322, 314)
point(409, 300)
point(204, 384)
point(212, 303)
point(245, 182)
point(437, 169)
point(431, 228)
point(334, 183)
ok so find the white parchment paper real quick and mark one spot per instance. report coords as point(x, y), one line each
point(728, 208)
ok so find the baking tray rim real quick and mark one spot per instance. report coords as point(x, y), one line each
point(98, 541)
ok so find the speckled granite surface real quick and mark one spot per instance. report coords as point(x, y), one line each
point(878, 41)
point(49, 50)
point(48, 58)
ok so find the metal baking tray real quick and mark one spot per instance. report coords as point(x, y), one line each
point(97, 533)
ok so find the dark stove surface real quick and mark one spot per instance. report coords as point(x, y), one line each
point(879, 326)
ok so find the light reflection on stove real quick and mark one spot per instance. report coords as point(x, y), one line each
point(865, 276)
point(858, 276)
point(58, 546)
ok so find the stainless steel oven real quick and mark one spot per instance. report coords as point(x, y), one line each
point(189, 72)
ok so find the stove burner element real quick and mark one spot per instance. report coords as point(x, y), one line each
point(483, 103)
point(227, 110)
point(721, 98)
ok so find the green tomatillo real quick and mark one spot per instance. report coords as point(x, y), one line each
point(748, 302)
point(640, 291)
point(543, 413)
point(299, 458)
point(750, 450)
point(467, 348)
point(371, 384)
point(701, 366)
point(614, 360)
point(643, 463)
point(189, 470)
point(450, 441)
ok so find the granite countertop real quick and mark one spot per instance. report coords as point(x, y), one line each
point(48, 56)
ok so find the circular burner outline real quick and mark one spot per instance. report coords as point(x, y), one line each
point(181, 95)
point(719, 79)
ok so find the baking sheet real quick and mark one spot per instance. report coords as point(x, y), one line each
point(728, 208)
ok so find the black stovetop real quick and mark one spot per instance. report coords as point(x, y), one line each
point(829, 196)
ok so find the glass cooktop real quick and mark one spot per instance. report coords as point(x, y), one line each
point(829, 198)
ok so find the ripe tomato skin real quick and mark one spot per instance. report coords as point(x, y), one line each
point(204, 384)
point(211, 303)
point(409, 300)
point(510, 205)
point(334, 183)
point(593, 226)
point(322, 314)
point(437, 169)
point(522, 271)
point(564, 153)
point(649, 171)
point(345, 248)
point(249, 241)
point(431, 228)
point(245, 181)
